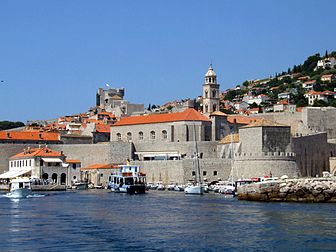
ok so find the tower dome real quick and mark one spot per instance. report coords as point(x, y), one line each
point(210, 72)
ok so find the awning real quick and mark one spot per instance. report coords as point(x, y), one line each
point(52, 160)
point(14, 173)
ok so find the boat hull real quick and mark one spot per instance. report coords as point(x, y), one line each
point(194, 190)
point(19, 193)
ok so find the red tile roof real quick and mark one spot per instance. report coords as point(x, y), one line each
point(29, 135)
point(186, 115)
point(101, 166)
point(37, 152)
point(103, 128)
point(72, 161)
point(242, 119)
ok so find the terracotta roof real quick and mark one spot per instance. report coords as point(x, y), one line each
point(100, 166)
point(186, 115)
point(242, 119)
point(218, 113)
point(37, 152)
point(29, 135)
point(71, 161)
point(228, 139)
point(309, 82)
point(264, 123)
point(103, 128)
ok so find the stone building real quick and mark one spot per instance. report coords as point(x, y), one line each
point(170, 127)
point(210, 92)
point(112, 100)
point(43, 163)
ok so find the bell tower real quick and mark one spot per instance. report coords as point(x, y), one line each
point(210, 92)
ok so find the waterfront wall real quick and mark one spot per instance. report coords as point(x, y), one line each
point(104, 153)
point(181, 171)
point(296, 190)
point(312, 154)
point(276, 164)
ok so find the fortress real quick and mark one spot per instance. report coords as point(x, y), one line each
point(293, 144)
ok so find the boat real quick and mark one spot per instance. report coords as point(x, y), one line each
point(128, 179)
point(171, 187)
point(160, 186)
point(19, 188)
point(179, 188)
point(196, 187)
point(80, 185)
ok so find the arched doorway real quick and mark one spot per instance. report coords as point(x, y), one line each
point(54, 177)
point(45, 176)
point(63, 179)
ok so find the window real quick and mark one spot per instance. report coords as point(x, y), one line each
point(214, 93)
point(215, 173)
point(193, 173)
point(152, 134)
point(204, 173)
point(206, 109)
point(101, 175)
point(118, 137)
point(214, 107)
point(164, 134)
point(206, 93)
point(30, 162)
point(74, 166)
point(129, 136)
point(140, 135)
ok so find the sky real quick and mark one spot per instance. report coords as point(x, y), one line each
point(55, 54)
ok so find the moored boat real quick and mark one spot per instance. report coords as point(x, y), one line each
point(128, 179)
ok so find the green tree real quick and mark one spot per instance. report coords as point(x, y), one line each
point(5, 125)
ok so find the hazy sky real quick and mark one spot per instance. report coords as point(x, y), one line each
point(54, 55)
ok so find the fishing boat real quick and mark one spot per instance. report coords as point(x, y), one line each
point(196, 187)
point(128, 179)
point(20, 188)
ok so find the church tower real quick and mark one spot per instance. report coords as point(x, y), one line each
point(210, 92)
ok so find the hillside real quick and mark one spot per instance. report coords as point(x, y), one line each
point(312, 83)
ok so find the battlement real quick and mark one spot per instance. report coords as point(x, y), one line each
point(265, 155)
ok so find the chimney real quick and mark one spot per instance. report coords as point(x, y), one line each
point(40, 135)
point(8, 135)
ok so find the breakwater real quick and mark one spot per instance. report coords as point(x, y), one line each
point(291, 190)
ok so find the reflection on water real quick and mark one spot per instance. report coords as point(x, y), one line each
point(162, 221)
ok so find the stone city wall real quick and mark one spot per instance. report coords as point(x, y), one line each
point(181, 171)
point(297, 190)
point(248, 165)
point(312, 154)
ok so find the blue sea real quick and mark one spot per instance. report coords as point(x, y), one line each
point(98, 220)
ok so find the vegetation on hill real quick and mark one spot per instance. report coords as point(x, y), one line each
point(5, 125)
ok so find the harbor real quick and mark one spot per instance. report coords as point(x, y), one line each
point(87, 220)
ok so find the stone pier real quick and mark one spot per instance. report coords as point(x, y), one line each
point(291, 190)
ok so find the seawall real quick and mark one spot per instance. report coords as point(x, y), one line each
point(291, 190)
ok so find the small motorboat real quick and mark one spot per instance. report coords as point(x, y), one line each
point(20, 188)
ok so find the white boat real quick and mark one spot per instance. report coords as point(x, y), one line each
point(171, 187)
point(160, 186)
point(20, 188)
point(197, 187)
point(128, 179)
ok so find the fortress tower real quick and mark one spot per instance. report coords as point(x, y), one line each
point(210, 92)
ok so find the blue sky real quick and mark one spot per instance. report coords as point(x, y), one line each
point(54, 55)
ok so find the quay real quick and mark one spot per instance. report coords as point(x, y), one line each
point(291, 190)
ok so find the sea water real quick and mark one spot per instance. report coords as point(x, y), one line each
point(98, 220)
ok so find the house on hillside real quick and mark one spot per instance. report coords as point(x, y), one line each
point(309, 85)
point(328, 78)
point(325, 96)
point(328, 63)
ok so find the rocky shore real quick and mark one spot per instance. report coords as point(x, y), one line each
point(291, 190)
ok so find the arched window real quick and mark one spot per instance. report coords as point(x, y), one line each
point(118, 137)
point(214, 107)
point(152, 135)
point(206, 93)
point(164, 134)
point(206, 108)
point(129, 136)
point(214, 93)
point(54, 177)
point(140, 135)
point(63, 179)
point(45, 176)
